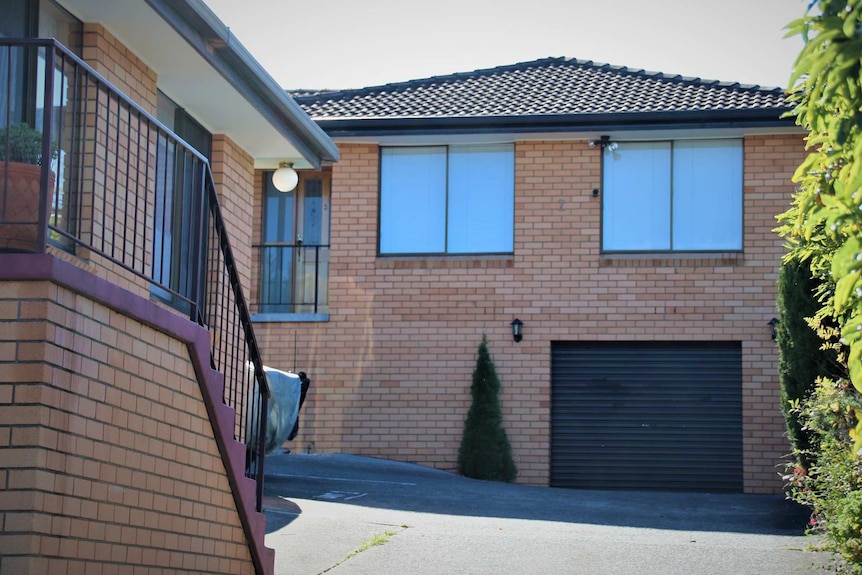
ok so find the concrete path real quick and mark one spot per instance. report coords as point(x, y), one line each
point(324, 510)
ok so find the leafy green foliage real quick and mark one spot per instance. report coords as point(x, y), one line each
point(831, 486)
point(845, 528)
point(801, 360)
point(485, 452)
point(824, 229)
point(824, 224)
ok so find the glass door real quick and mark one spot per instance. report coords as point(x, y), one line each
point(16, 23)
point(310, 289)
point(295, 250)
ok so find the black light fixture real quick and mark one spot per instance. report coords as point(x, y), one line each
point(604, 142)
point(773, 327)
point(517, 330)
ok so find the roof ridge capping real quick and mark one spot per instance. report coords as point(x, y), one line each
point(676, 77)
point(314, 95)
point(392, 86)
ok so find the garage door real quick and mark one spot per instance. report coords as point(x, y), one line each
point(647, 416)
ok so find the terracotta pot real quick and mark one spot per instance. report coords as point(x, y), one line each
point(19, 206)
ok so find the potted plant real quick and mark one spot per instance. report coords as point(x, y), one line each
point(20, 179)
point(23, 143)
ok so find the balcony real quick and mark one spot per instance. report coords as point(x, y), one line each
point(293, 282)
point(88, 174)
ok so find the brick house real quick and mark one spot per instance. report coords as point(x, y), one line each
point(126, 398)
point(623, 216)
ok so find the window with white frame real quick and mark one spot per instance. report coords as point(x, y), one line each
point(447, 199)
point(682, 195)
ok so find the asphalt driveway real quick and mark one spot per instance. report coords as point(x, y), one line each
point(324, 511)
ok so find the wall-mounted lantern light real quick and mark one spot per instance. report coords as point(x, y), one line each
point(517, 329)
point(773, 327)
point(285, 178)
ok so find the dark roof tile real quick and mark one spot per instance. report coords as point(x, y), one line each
point(542, 87)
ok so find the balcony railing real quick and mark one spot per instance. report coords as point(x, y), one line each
point(113, 181)
point(294, 278)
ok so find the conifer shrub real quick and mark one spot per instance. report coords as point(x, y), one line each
point(485, 452)
point(801, 357)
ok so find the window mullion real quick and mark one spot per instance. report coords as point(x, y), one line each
point(670, 191)
point(446, 206)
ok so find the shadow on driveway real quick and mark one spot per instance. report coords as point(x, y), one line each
point(280, 512)
point(386, 484)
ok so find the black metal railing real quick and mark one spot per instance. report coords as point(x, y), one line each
point(294, 278)
point(118, 183)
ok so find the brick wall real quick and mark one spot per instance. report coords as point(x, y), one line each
point(233, 172)
point(769, 164)
point(406, 329)
point(107, 455)
point(128, 73)
point(120, 66)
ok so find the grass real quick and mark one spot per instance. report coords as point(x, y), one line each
point(378, 539)
point(374, 541)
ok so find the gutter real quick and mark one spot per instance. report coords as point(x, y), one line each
point(553, 123)
point(208, 35)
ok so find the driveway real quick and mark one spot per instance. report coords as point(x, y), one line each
point(325, 511)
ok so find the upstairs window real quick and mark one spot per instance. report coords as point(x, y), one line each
point(447, 199)
point(672, 196)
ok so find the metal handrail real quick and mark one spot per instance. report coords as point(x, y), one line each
point(213, 297)
point(110, 190)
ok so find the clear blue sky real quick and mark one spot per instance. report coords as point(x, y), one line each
point(357, 43)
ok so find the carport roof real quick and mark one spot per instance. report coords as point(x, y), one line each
point(542, 93)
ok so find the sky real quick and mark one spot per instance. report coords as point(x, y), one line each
point(338, 44)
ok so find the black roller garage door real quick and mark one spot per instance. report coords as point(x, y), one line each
point(652, 415)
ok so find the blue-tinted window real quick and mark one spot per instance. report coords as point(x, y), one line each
point(413, 200)
point(672, 196)
point(447, 199)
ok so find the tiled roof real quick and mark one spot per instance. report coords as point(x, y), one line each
point(551, 86)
